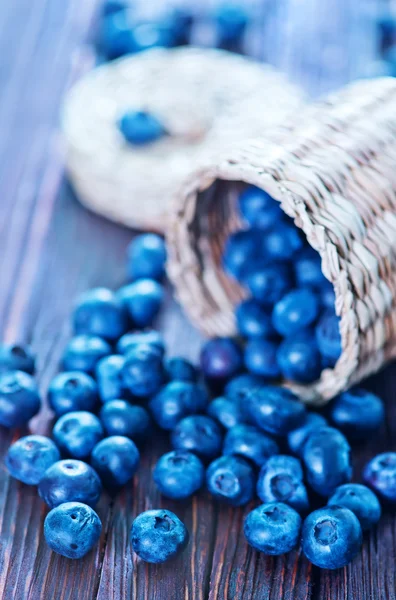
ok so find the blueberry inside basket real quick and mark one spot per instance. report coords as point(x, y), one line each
point(335, 177)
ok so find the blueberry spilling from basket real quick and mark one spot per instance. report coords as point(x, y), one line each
point(249, 440)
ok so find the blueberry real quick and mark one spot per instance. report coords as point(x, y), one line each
point(299, 359)
point(142, 299)
point(143, 371)
point(221, 359)
point(226, 412)
point(83, 352)
point(250, 443)
point(147, 338)
point(147, 257)
point(308, 268)
point(19, 398)
point(380, 474)
point(268, 283)
point(16, 357)
point(180, 369)
point(121, 418)
point(72, 529)
point(29, 458)
point(360, 500)
point(116, 37)
point(239, 387)
point(179, 474)
point(327, 460)
point(199, 434)
point(231, 479)
point(231, 21)
point(295, 311)
point(140, 128)
point(331, 537)
point(115, 459)
point(273, 528)
point(70, 481)
point(176, 400)
point(98, 312)
point(240, 249)
point(146, 35)
point(275, 409)
point(72, 391)
point(261, 358)
point(76, 433)
point(253, 321)
point(180, 21)
point(327, 295)
point(281, 480)
point(282, 242)
point(259, 209)
point(109, 377)
point(158, 535)
point(358, 413)
point(297, 437)
point(328, 337)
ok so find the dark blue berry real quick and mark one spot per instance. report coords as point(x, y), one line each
point(16, 357)
point(140, 128)
point(109, 377)
point(240, 249)
point(121, 418)
point(227, 412)
point(297, 437)
point(72, 391)
point(380, 474)
point(83, 352)
point(116, 38)
point(180, 22)
point(327, 459)
point(268, 283)
point(143, 371)
point(98, 312)
point(331, 537)
point(358, 413)
point(239, 387)
point(253, 321)
point(328, 338)
point(308, 268)
point(281, 480)
point(142, 299)
point(176, 400)
point(180, 369)
point(146, 257)
point(282, 242)
point(76, 433)
point(261, 358)
point(249, 442)
point(199, 434)
point(259, 209)
point(275, 409)
point(29, 458)
point(115, 459)
point(327, 295)
point(231, 21)
point(72, 529)
point(273, 528)
point(19, 398)
point(299, 359)
point(295, 311)
point(231, 479)
point(221, 359)
point(139, 338)
point(179, 474)
point(360, 500)
point(158, 535)
point(70, 481)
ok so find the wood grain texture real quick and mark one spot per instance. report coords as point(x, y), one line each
point(51, 249)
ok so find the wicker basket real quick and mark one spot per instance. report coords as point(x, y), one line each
point(204, 97)
point(335, 175)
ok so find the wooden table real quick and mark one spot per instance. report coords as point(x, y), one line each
point(51, 249)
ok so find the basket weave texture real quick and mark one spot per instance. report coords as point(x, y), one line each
point(205, 98)
point(335, 175)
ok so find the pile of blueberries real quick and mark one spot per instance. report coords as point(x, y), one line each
point(230, 429)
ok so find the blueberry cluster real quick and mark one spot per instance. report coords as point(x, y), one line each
point(288, 321)
point(253, 440)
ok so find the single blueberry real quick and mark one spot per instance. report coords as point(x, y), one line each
point(99, 312)
point(72, 391)
point(297, 437)
point(261, 358)
point(176, 400)
point(308, 268)
point(109, 377)
point(240, 386)
point(273, 528)
point(29, 457)
point(358, 413)
point(76, 433)
point(19, 398)
point(240, 249)
point(72, 529)
point(327, 459)
point(140, 128)
point(146, 257)
point(158, 535)
point(115, 459)
point(180, 369)
point(331, 537)
point(380, 474)
point(360, 500)
point(226, 412)
point(139, 338)
point(17, 357)
point(259, 209)
point(295, 311)
point(250, 443)
point(281, 480)
point(121, 418)
point(327, 295)
point(275, 409)
point(231, 479)
point(142, 299)
point(221, 359)
point(299, 359)
point(328, 337)
point(83, 352)
point(179, 474)
point(199, 434)
point(116, 37)
point(143, 371)
point(69, 481)
point(268, 283)
point(231, 20)
point(282, 242)
point(253, 321)
point(180, 20)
